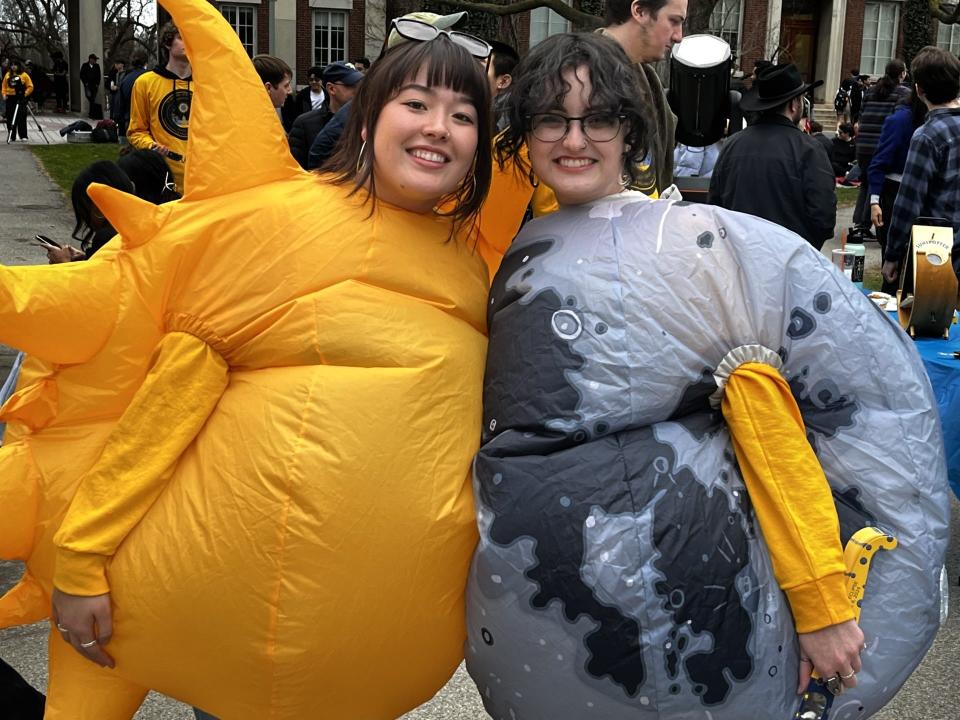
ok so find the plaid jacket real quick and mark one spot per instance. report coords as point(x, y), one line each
point(931, 180)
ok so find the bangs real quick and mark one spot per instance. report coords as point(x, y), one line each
point(446, 65)
point(437, 63)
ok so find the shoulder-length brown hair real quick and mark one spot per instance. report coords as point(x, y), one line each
point(446, 65)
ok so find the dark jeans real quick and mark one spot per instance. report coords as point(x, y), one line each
point(96, 110)
point(14, 102)
point(60, 89)
point(861, 213)
point(888, 194)
point(18, 699)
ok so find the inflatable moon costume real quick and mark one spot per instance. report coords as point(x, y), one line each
point(287, 389)
point(621, 573)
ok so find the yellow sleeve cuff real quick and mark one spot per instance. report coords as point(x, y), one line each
point(820, 603)
point(79, 573)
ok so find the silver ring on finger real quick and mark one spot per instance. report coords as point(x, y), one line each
point(61, 628)
point(834, 685)
point(88, 644)
point(847, 677)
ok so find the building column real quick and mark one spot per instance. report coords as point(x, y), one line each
point(774, 13)
point(85, 36)
point(830, 48)
point(285, 32)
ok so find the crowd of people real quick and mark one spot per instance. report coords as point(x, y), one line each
point(590, 424)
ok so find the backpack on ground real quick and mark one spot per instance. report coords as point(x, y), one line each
point(105, 132)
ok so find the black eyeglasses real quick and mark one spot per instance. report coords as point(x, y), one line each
point(599, 127)
point(425, 32)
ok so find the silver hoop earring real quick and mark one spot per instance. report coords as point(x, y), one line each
point(624, 179)
point(363, 146)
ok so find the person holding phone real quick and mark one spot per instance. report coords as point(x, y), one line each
point(92, 229)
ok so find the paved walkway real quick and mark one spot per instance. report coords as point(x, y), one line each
point(50, 124)
point(33, 204)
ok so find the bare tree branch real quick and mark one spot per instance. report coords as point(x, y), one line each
point(558, 6)
point(41, 25)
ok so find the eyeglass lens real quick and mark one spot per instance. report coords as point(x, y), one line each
point(599, 127)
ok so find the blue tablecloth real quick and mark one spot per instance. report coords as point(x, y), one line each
point(944, 374)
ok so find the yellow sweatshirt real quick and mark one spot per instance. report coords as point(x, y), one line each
point(160, 114)
point(8, 91)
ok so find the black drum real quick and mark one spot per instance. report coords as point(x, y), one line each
point(700, 89)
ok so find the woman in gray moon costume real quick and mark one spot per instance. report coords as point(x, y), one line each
point(687, 413)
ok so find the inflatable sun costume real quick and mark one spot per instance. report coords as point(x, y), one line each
point(622, 572)
point(251, 418)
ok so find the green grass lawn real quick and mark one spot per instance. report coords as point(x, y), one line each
point(64, 162)
point(847, 196)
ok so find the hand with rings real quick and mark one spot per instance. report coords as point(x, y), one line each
point(834, 652)
point(85, 623)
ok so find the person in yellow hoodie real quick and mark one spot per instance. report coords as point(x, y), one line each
point(255, 456)
point(17, 87)
point(160, 105)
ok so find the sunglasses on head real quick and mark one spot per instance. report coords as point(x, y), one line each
point(425, 32)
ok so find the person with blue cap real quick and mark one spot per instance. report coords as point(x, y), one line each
point(340, 81)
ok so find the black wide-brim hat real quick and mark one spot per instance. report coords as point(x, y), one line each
point(774, 86)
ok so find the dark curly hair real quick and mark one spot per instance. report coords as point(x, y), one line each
point(538, 86)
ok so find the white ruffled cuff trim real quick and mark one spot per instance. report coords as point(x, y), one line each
point(737, 357)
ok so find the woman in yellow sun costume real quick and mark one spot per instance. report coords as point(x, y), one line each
point(251, 464)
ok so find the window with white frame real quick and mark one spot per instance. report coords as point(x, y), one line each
point(242, 19)
point(544, 22)
point(948, 37)
point(725, 22)
point(880, 21)
point(329, 36)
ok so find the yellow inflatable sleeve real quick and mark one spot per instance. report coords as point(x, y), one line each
point(182, 388)
point(790, 495)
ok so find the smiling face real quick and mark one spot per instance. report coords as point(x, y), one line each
point(660, 31)
point(577, 168)
point(424, 145)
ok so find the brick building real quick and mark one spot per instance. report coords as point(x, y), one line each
point(824, 38)
point(302, 32)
